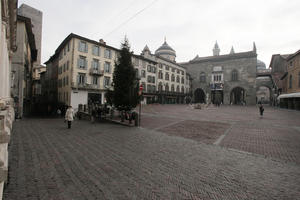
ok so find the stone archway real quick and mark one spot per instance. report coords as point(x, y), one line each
point(199, 96)
point(237, 96)
point(263, 94)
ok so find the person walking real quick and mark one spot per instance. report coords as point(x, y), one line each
point(69, 116)
point(261, 109)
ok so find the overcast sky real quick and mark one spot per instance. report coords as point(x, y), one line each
point(191, 26)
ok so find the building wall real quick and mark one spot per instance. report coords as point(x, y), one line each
point(7, 46)
point(246, 68)
point(36, 17)
point(293, 68)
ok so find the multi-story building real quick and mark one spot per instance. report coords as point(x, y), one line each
point(227, 79)
point(291, 99)
point(167, 81)
point(8, 29)
point(36, 17)
point(85, 73)
point(22, 64)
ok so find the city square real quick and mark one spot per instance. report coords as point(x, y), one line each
point(226, 152)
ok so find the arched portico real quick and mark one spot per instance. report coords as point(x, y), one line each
point(199, 96)
point(237, 96)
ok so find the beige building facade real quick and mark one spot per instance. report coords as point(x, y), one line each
point(85, 72)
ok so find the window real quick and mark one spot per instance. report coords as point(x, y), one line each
point(95, 64)
point(64, 82)
point(149, 68)
point(137, 73)
point(160, 74)
point(81, 78)
point(64, 67)
point(107, 67)
point(234, 75)
point(182, 80)
point(153, 69)
point(144, 86)
point(182, 72)
point(202, 77)
point(167, 87)
point(173, 78)
point(67, 80)
point(143, 73)
point(167, 76)
point(173, 69)
point(167, 67)
point(291, 63)
point(82, 62)
point(217, 77)
point(160, 65)
point(67, 65)
point(149, 79)
point(178, 72)
point(96, 50)
point(177, 88)
point(291, 81)
point(177, 79)
point(82, 46)
point(107, 53)
point(160, 86)
point(95, 80)
point(65, 51)
point(182, 89)
point(172, 88)
point(68, 47)
point(106, 81)
point(60, 55)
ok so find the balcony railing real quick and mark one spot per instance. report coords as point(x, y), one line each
point(96, 72)
point(217, 85)
point(86, 86)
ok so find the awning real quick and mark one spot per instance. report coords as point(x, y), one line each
point(290, 95)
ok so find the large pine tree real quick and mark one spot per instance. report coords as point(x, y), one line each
point(125, 94)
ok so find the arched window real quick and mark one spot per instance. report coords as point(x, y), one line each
point(173, 78)
point(202, 77)
point(167, 76)
point(177, 88)
point(234, 75)
point(167, 87)
point(160, 86)
point(182, 89)
point(172, 88)
point(291, 81)
point(177, 79)
point(182, 80)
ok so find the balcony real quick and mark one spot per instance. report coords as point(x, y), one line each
point(216, 85)
point(85, 86)
point(96, 72)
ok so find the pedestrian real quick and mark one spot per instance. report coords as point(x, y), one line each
point(261, 109)
point(69, 116)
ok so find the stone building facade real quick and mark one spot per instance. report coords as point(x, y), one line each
point(8, 28)
point(36, 17)
point(291, 99)
point(224, 79)
point(22, 65)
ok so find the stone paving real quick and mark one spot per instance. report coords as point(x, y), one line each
point(253, 158)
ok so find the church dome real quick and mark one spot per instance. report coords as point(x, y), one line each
point(166, 51)
point(260, 65)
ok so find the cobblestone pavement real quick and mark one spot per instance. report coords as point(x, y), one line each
point(105, 161)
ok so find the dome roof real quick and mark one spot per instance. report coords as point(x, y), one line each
point(165, 49)
point(260, 65)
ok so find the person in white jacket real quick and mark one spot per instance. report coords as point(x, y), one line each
point(69, 116)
